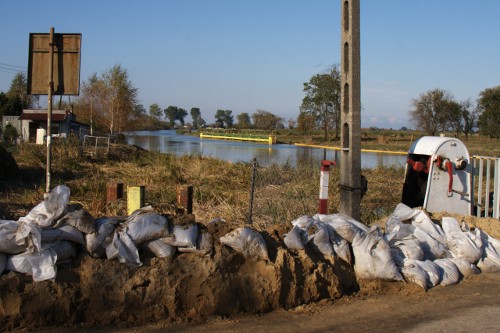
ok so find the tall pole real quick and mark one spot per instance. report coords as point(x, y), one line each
point(350, 159)
point(49, 110)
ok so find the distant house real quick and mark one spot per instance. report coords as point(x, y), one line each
point(63, 124)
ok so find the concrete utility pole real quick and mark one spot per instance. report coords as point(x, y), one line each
point(350, 160)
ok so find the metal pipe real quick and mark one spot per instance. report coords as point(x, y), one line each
point(49, 111)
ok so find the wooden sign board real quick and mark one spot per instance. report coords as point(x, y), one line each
point(66, 75)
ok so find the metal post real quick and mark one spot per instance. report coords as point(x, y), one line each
point(252, 189)
point(185, 199)
point(49, 111)
point(350, 160)
point(323, 186)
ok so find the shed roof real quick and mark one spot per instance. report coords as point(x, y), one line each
point(41, 115)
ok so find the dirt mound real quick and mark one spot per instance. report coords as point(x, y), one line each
point(186, 288)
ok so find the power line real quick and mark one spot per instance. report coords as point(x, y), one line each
point(2, 64)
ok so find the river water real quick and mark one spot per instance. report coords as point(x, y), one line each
point(168, 141)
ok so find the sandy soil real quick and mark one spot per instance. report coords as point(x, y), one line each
point(101, 295)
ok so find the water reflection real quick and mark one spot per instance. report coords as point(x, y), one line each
point(236, 151)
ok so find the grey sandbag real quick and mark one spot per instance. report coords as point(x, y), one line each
point(96, 242)
point(18, 237)
point(431, 247)
point(65, 251)
point(246, 241)
point(124, 249)
point(46, 213)
point(490, 259)
point(407, 247)
point(160, 248)
point(145, 227)
point(204, 245)
point(75, 216)
point(66, 232)
point(186, 235)
point(319, 238)
point(372, 257)
point(465, 268)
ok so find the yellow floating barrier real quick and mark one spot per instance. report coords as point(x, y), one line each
point(363, 150)
point(271, 139)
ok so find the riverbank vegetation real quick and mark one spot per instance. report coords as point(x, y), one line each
point(221, 189)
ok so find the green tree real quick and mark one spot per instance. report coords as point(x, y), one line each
point(171, 114)
point(17, 90)
point(244, 121)
point(181, 114)
point(488, 106)
point(306, 122)
point(431, 111)
point(155, 111)
point(266, 120)
point(322, 99)
point(198, 121)
point(224, 118)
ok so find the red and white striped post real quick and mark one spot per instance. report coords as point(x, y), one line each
point(323, 186)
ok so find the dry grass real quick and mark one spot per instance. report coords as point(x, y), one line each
point(221, 189)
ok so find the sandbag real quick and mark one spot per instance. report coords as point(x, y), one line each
point(145, 227)
point(46, 213)
point(124, 249)
point(66, 232)
point(160, 248)
point(398, 229)
point(295, 239)
point(449, 272)
point(41, 265)
point(424, 222)
point(490, 259)
point(462, 244)
point(75, 216)
point(431, 247)
point(18, 237)
point(432, 270)
point(344, 225)
point(65, 251)
point(403, 212)
point(246, 241)
point(97, 241)
point(340, 246)
point(406, 248)
point(465, 268)
point(304, 222)
point(412, 272)
point(204, 245)
point(185, 235)
point(319, 239)
point(372, 256)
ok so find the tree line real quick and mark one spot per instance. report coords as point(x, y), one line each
point(109, 103)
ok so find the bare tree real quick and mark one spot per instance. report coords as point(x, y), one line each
point(431, 111)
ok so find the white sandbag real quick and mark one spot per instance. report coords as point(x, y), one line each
point(123, 248)
point(412, 272)
point(41, 265)
point(462, 244)
point(406, 248)
point(372, 257)
point(424, 222)
point(66, 232)
point(344, 225)
point(403, 212)
point(75, 216)
point(46, 213)
point(96, 242)
point(465, 268)
point(18, 237)
point(3, 262)
point(319, 239)
point(160, 248)
point(449, 272)
point(431, 247)
point(204, 245)
point(186, 235)
point(490, 259)
point(432, 270)
point(145, 227)
point(304, 222)
point(246, 241)
point(295, 239)
point(340, 246)
point(398, 229)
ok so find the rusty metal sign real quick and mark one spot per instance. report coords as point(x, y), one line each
point(66, 64)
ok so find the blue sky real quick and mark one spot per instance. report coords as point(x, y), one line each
point(256, 54)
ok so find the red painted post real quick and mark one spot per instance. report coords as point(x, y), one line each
point(323, 186)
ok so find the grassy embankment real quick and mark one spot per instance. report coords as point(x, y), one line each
point(221, 189)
